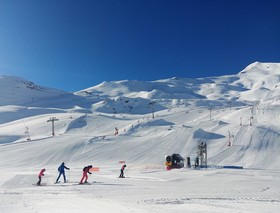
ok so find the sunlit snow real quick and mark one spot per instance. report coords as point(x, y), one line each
point(154, 119)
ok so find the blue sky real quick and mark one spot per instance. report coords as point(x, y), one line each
point(75, 44)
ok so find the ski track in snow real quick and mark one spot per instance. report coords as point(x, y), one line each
point(214, 190)
point(243, 109)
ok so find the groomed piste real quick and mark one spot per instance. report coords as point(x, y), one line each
point(139, 124)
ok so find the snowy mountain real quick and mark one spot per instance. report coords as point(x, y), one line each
point(17, 91)
point(186, 111)
point(141, 122)
point(257, 82)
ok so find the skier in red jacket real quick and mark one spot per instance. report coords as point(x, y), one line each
point(40, 176)
point(122, 169)
point(85, 176)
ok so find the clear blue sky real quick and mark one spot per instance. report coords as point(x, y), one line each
point(75, 44)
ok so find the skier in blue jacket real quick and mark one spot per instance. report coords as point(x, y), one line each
point(61, 170)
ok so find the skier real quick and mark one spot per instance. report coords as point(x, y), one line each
point(85, 176)
point(116, 131)
point(62, 172)
point(40, 177)
point(122, 169)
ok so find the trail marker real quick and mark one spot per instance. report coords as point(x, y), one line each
point(94, 169)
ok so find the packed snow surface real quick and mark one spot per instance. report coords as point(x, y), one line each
point(237, 116)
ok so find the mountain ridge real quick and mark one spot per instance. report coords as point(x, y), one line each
point(141, 122)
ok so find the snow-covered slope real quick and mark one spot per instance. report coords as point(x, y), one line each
point(153, 118)
point(257, 82)
point(17, 91)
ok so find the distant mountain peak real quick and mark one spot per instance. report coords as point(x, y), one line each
point(18, 91)
point(260, 66)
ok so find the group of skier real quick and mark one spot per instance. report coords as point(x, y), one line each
point(86, 171)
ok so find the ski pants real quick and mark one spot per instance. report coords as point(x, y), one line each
point(39, 181)
point(61, 173)
point(85, 176)
point(121, 175)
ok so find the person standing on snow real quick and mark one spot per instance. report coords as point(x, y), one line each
point(122, 169)
point(40, 176)
point(61, 170)
point(85, 172)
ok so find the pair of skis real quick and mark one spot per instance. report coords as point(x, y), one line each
point(44, 184)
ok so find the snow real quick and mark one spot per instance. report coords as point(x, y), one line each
point(186, 112)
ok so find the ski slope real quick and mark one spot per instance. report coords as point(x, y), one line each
point(154, 119)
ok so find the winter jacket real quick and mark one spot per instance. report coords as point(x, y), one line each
point(42, 172)
point(123, 167)
point(86, 169)
point(62, 167)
